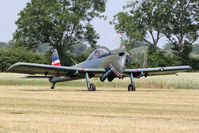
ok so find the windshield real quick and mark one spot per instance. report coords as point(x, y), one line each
point(98, 53)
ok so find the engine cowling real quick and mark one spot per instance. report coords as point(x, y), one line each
point(116, 69)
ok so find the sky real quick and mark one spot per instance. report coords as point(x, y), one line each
point(9, 10)
point(8, 14)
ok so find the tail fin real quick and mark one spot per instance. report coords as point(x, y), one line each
point(55, 58)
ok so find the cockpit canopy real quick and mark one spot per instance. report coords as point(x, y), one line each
point(98, 53)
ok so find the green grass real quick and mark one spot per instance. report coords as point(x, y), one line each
point(182, 81)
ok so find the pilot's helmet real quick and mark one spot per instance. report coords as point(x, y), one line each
point(97, 52)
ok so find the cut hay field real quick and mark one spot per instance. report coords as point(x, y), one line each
point(162, 104)
point(36, 109)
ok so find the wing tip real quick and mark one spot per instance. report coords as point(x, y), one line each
point(188, 68)
point(10, 69)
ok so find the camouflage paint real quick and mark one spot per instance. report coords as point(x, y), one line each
point(98, 63)
point(108, 60)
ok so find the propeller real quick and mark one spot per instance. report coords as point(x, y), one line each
point(117, 68)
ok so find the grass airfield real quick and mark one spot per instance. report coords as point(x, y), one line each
point(35, 108)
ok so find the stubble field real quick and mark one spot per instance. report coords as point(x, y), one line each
point(32, 109)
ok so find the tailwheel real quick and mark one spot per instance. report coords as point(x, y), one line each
point(91, 87)
point(131, 87)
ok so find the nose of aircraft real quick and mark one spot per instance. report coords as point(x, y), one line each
point(117, 68)
point(120, 64)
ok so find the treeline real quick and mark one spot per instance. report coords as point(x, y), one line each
point(10, 55)
point(162, 57)
point(170, 58)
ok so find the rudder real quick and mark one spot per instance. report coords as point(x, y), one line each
point(55, 58)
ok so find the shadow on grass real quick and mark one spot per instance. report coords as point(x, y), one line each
point(157, 90)
point(78, 90)
point(98, 90)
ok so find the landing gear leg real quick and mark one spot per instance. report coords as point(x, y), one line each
point(132, 85)
point(53, 86)
point(91, 87)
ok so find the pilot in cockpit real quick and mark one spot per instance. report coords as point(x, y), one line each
point(97, 53)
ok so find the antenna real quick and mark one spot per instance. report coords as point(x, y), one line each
point(73, 61)
point(75, 65)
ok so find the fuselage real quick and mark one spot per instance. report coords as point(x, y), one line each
point(101, 62)
point(113, 64)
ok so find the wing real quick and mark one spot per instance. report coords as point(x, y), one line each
point(32, 68)
point(156, 71)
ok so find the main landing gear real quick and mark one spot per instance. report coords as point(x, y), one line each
point(91, 86)
point(53, 86)
point(131, 87)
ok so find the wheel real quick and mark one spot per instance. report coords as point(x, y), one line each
point(92, 87)
point(52, 87)
point(131, 87)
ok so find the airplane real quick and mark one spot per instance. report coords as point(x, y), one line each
point(100, 64)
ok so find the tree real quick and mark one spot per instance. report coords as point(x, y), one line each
point(11, 55)
point(181, 26)
point(177, 20)
point(143, 19)
point(182, 23)
point(61, 23)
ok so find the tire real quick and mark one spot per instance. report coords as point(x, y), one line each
point(52, 88)
point(92, 87)
point(131, 87)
